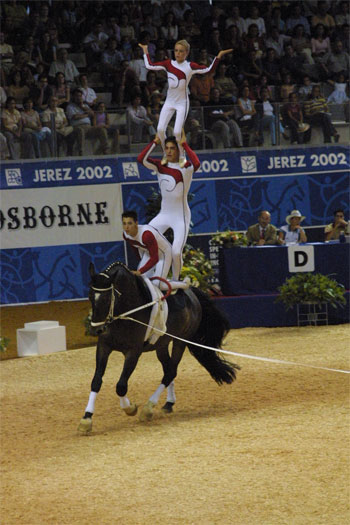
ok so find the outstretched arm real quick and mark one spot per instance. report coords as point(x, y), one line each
point(223, 52)
point(144, 48)
point(202, 70)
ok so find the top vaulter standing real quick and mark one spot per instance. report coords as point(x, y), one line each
point(179, 72)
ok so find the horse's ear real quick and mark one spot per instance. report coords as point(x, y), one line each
point(92, 269)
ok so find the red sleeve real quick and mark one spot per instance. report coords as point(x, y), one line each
point(205, 69)
point(151, 244)
point(143, 154)
point(192, 156)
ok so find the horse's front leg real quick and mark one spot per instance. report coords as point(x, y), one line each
point(102, 355)
point(131, 359)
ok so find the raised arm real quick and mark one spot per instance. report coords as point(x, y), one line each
point(145, 159)
point(223, 52)
point(155, 66)
point(191, 154)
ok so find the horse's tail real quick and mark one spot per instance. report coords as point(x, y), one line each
point(213, 327)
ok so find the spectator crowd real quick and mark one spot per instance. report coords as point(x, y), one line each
point(289, 62)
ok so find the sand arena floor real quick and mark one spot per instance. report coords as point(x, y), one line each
point(273, 448)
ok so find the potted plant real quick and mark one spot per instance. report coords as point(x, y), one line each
point(4, 342)
point(230, 239)
point(197, 267)
point(311, 288)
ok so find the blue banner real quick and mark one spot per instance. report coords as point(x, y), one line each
point(229, 190)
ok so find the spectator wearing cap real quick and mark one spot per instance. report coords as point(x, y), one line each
point(292, 232)
point(263, 232)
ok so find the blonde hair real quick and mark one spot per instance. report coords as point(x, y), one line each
point(185, 44)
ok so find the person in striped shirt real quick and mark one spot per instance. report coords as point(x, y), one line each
point(317, 114)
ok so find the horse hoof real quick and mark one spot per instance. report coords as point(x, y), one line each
point(85, 425)
point(147, 412)
point(168, 407)
point(131, 410)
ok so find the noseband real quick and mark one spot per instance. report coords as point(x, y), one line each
point(110, 316)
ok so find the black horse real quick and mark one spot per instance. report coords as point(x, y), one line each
point(192, 316)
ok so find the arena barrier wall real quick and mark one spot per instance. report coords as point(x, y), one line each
point(57, 215)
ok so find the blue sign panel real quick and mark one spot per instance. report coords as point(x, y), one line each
point(229, 190)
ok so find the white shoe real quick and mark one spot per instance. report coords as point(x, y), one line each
point(182, 162)
point(164, 160)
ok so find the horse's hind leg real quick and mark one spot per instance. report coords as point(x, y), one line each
point(169, 365)
point(170, 399)
point(177, 353)
point(130, 363)
point(102, 354)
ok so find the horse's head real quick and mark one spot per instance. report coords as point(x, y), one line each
point(102, 296)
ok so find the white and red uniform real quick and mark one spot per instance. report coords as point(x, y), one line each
point(174, 183)
point(179, 76)
point(153, 249)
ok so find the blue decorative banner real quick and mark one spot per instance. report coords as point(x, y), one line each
point(230, 190)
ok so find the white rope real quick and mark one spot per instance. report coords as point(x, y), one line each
point(245, 356)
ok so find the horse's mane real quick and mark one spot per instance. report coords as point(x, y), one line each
point(113, 266)
point(108, 274)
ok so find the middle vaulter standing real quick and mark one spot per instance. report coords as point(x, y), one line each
point(174, 183)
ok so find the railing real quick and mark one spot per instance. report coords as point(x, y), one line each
point(204, 135)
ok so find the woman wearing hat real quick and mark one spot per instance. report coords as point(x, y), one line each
point(292, 232)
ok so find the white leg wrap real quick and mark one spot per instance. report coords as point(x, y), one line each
point(155, 397)
point(90, 407)
point(171, 393)
point(124, 402)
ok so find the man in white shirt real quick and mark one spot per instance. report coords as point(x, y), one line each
point(254, 18)
point(65, 66)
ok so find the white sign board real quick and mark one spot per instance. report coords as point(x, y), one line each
point(301, 258)
point(60, 216)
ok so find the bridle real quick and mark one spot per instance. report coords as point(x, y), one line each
point(110, 316)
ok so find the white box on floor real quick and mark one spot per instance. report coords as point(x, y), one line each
point(41, 337)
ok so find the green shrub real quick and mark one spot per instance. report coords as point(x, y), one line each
point(311, 288)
